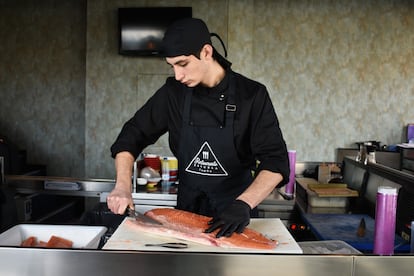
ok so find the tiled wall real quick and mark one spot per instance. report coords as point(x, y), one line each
point(337, 71)
point(42, 81)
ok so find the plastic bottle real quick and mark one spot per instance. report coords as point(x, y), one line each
point(290, 187)
point(385, 216)
point(165, 168)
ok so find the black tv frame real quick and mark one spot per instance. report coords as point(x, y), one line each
point(141, 29)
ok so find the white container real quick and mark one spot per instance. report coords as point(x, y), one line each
point(315, 201)
point(87, 237)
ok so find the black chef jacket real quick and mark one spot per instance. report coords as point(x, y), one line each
point(257, 135)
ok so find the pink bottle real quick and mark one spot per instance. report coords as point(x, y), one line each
point(385, 215)
point(290, 187)
point(410, 133)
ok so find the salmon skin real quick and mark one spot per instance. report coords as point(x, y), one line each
point(190, 226)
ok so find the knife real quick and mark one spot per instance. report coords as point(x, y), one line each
point(141, 217)
point(361, 228)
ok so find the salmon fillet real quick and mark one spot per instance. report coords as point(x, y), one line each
point(29, 242)
point(190, 226)
point(54, 242)
point(58, 242)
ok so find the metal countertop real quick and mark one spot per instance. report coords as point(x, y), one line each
point(38, 261)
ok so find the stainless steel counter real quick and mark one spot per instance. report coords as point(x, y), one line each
point(274, 206)
point(37, 261)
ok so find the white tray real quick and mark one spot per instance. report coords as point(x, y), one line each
point(81, 236)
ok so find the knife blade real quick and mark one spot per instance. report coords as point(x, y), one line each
point(361, 228)
point(139, 216)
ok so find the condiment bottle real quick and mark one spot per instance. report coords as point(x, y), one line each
point(165, 168)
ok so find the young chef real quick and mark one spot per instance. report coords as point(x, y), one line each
point(219, 123)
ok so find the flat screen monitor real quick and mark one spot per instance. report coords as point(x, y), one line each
point(141, 29)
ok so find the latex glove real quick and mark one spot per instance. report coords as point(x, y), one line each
point(233, 219)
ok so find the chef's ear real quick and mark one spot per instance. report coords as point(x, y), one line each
point(206, 52)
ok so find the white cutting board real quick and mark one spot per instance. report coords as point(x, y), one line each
point(125, 238)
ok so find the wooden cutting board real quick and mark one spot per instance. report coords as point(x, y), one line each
point(332, 190)
point(125, 238)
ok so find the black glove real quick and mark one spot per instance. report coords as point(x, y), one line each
point(233, 219)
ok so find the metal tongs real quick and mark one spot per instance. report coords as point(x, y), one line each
point(174, 245)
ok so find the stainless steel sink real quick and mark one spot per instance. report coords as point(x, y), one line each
point(33, 184)
point(97, 185)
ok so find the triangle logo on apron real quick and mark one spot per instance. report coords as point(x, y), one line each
point(205, 162)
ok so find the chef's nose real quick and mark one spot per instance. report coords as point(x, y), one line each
point(178, 74)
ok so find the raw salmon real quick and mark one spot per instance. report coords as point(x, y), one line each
point(54, 242)
point(29, 242)
point(58, 242)
point(190, 226)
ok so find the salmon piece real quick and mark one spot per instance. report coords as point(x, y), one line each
point(29, 242)
point(190, 226)
point(58, 242)
point(42, 244)
point(54, 242)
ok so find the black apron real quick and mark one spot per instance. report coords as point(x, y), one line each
point(210, 172)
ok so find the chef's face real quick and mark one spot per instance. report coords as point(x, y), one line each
point(189, 70)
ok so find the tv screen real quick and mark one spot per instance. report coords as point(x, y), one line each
point(141, 29)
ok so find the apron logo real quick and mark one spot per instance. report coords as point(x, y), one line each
point(205, 162)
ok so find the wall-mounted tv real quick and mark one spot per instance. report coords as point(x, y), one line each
point(141, 29)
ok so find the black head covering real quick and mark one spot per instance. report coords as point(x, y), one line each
point(187, 37)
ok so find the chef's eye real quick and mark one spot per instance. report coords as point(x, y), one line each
point(183, 64)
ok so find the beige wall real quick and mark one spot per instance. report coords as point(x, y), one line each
point(337, 71)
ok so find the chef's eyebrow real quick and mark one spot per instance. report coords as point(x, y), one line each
point(177, 62)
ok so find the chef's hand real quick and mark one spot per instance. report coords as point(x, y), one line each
point(233, 219)
point(118, 200)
